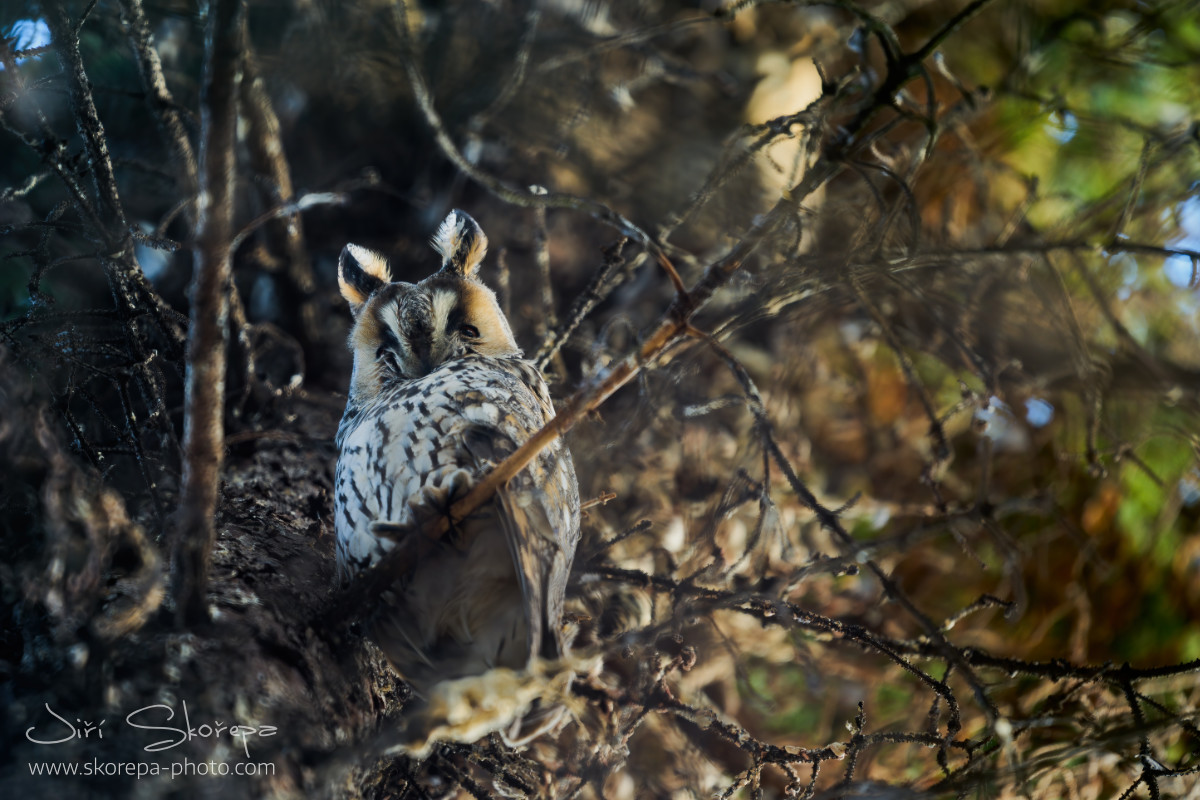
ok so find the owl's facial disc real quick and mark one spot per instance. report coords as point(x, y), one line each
point(406, 331)
point(435, 322)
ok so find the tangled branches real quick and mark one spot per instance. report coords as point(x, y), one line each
point(884, 381)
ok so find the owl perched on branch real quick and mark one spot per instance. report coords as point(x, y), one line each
point(439, 395)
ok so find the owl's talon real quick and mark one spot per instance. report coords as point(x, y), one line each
point(392, 531)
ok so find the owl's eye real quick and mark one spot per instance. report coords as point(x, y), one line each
point(387, 356)
point(469, 331)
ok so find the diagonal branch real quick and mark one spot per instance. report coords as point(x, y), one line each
point(596, 291)
point(672, 327)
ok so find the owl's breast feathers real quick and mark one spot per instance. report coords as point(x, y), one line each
point(492, 593)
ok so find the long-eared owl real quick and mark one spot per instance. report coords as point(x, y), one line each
point(439, 395)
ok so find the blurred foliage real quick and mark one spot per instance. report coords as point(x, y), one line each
point(978, 340)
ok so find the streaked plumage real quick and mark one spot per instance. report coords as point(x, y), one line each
point(439, 395)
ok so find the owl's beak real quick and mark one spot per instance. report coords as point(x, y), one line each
point(437, 354)
point(429, 355)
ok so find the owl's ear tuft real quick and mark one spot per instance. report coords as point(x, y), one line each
point(361, 272)
point(461, 243)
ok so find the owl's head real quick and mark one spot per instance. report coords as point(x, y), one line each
point(404, 331)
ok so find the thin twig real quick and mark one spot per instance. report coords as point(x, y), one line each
point(1135, 191)
point(158, 96)
point(110, 212)
point(547, 320)
point(671, 328)
point(595, 292)
point(503, 189)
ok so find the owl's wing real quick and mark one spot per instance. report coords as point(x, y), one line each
point(538, 514)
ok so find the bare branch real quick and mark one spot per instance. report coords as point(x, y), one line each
point(285, 229)
point(502, 189)
point(65, 35)
point(597, 289)
point(208, 336)
point(158, 96)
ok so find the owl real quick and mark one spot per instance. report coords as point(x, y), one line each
point(439, 394)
